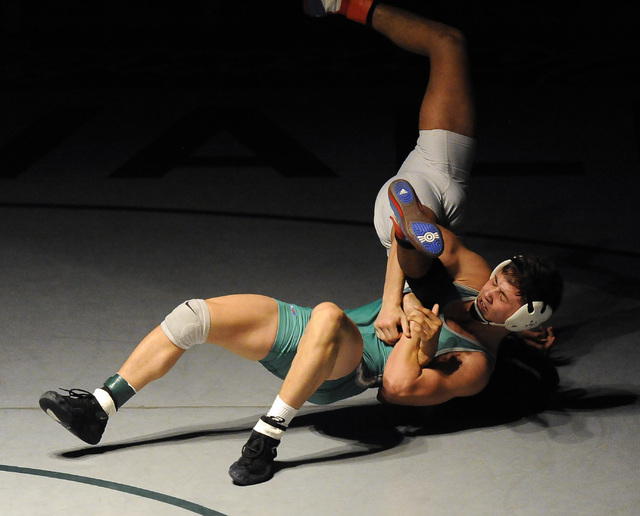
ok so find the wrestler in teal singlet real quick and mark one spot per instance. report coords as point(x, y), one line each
point(293, 319)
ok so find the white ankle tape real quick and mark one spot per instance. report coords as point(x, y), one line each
point(268, 430)
point(105, 401)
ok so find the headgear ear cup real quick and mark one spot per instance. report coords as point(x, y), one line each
point(529, 315)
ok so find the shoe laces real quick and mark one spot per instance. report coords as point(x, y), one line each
point(77, 393)
point(250, 452)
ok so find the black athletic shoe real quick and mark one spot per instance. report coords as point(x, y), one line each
point(256, 463)
point(79, 412)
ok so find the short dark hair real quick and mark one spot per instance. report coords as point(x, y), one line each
point(535, 279)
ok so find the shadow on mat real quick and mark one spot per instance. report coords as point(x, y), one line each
point(524, 384)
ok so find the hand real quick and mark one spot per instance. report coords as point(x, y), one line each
point(409, 302)
point(425, 326)
point(540, 338)
point(391, 324)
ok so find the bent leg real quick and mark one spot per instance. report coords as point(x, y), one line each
point(439, 166)
point(150, 360)
point(246, 325)
point(243, 324)
point(448, 101)
point(330, 348)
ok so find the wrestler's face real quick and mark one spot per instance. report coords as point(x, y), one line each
point(498, 299)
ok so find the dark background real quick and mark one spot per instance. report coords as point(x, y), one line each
point(91, 88)
point(265, 43)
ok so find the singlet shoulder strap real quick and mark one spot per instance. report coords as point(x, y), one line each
point(451, 341)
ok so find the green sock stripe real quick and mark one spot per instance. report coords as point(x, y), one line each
point(120, 390)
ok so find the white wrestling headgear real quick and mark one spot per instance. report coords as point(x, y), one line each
point(531, 314)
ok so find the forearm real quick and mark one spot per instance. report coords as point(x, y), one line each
point(394, 279)
point(406, 382)
point(406, 378)
point(401, 371)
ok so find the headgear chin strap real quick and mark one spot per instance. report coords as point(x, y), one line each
point(529, 315)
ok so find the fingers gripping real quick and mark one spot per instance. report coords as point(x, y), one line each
point(425, 327)
point(424, 321)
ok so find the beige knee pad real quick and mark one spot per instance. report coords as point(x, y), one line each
point(188, 324)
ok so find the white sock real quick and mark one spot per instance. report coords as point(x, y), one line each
point(280, 413)
point(105, 401)
point(332, 6)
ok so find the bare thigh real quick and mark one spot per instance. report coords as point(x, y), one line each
point(350, 350)
point(245, 324)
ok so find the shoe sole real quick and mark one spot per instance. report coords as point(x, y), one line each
point(249, 479)
point(422, 233)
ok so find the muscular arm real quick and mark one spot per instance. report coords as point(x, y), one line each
point(405, 382)
point(462, 264)
point(391, 314)
point(413, 376)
